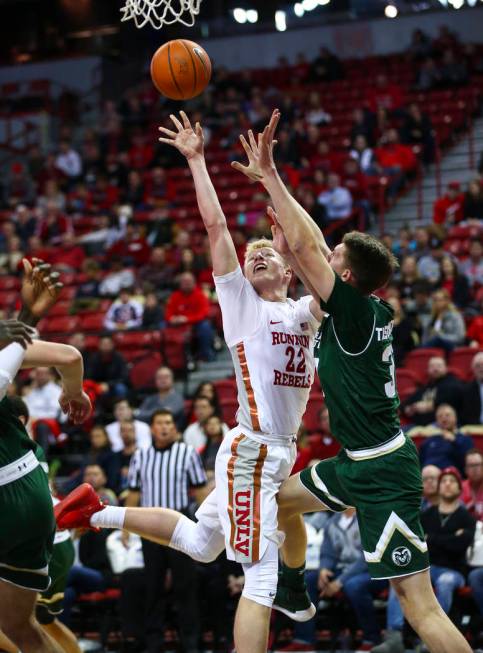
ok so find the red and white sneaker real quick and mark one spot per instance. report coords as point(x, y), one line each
point(76, 510)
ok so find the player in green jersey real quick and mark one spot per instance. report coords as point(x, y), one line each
point(26, 513)
point(50, 602)
point(377, 471)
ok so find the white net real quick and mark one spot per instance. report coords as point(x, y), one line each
point(161, 12)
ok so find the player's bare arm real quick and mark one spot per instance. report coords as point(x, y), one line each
point(304, 239)
point(190, 143)
point(281, 246)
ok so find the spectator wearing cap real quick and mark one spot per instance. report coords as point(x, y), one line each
point(447, 329)
point(472, 394)
point(448, 446)
point(189, 306)
point(124, 313)
point(448, 210)
point(472, 267)
point(429, 265)
point(449, 530)
point(441, 388)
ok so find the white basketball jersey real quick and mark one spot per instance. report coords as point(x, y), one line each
point(271, 344)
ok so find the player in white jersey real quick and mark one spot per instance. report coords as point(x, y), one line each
point(271, 341)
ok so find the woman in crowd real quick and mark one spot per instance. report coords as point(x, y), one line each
point(405, 334)
point(455, 283)
point(447, 327)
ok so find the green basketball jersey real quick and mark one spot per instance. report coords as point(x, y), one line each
point(356, 367)
point(14, 439)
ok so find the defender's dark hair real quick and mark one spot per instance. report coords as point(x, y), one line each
point(369, 260)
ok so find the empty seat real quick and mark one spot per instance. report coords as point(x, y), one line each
point(460, 359)
point(143, 372)
point(94, 322)
point(226, 389)
point(417, 361)
point(61, 324)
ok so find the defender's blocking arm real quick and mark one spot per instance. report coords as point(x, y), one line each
point(190, 143)
point(304, 239)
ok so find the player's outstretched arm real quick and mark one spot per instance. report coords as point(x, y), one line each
point(304, 238)
point(68, 362)
point(190, 143)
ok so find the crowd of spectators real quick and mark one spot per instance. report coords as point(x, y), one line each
point(101, 208)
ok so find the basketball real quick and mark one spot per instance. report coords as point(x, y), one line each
point(180, 69)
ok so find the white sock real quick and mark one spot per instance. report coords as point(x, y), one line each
point(110, 517)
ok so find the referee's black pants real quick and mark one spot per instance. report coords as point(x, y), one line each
point(157, 560)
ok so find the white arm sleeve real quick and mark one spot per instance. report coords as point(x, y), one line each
point(241, 307)
point(11, 359)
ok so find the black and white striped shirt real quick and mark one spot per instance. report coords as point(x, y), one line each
point(163, 476)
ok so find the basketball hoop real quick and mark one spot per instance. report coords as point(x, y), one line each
point(161, 12)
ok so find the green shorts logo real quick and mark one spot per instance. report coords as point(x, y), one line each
point(401, 556)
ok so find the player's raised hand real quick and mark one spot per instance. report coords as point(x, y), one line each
point(40, 287)
point(77, 407)
point(259, 154)
point(189, 141)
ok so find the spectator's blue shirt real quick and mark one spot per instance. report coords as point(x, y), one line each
point(436, 450)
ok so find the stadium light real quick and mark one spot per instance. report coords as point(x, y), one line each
point(281, 21)
point(252, 15)
point(299, 10)
point(391, 11)
point(240, 15)
point(309, 5)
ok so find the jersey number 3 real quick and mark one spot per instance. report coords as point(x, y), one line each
point(390, 386)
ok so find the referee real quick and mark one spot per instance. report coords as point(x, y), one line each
point(160, 476)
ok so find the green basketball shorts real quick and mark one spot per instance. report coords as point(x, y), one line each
point(27, 528)
point(51, 602)
point(386, 492)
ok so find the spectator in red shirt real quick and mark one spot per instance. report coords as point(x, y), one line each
point(189, 305)
point(133, 246)
point(68, 257)
point(393, 156)
point(448, 210)
point(384, 94)
point(472, 491)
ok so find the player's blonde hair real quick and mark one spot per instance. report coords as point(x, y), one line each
point(258, 244)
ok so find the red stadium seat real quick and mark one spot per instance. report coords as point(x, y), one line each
point(65, 325)
point(406, 383)
point(143, 372)
point(9, 283)
point(417, 361)
point(228, 409)
point(8, 299)
point(175, 344)
point(68, 293)
point(92, 343)
point(226, 389)
point(460, 358)
point(133, 339)
point(94, 322)
point(311, 415)
point(60, 309)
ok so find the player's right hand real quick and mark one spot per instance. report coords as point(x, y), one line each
point(189, 141)
point(15, 331)
point(40, 287)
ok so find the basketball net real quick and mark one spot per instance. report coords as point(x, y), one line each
point(161, 12)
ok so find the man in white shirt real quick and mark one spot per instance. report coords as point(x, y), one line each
point(68, 160)
point(43, 405)
point(124, 413)
point(336, 199)
point(194, 434)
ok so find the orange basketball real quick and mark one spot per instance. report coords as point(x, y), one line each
point(180, 69)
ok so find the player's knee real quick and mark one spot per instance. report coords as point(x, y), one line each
point(261, 578)
point(199, 542)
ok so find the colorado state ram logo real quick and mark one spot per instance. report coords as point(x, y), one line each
point(401, 556)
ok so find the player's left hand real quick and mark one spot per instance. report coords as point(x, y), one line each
point(40, 287)
point(76, 407)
